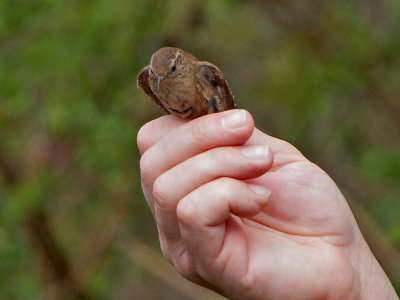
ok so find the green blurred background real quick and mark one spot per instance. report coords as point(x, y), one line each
point(324, 75)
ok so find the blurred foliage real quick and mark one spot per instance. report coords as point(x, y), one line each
point(322, 75)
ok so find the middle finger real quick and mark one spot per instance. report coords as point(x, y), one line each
point(244, 162)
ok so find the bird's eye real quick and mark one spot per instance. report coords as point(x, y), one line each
point(173, 69)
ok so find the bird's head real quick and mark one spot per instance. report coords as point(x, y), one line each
point(165, 63)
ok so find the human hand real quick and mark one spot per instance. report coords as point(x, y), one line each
point(248, 215)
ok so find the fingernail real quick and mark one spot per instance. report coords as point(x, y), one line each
point(260, 190)
point(255, 151)
point(234, 119)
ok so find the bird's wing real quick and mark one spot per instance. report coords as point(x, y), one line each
point(143, 82)
point(209, 73)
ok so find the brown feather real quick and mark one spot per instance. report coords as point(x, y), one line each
point(211, 74)
point(143, 82)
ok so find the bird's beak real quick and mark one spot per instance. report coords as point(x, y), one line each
point(159, 79)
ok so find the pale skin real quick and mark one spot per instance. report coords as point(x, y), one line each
point(247, 215)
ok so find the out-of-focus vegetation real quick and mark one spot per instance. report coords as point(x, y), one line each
point(324, 75)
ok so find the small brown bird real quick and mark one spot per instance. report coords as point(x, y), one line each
point(184, 86)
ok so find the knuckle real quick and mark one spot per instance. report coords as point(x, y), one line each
point(146, 168)
point(225, 187)
point(248, 282)
point(179, 258)
point(144, 136)
point(185, 211)
point(161, 192)
point(166, 251)
point(185, 266)
point(185, 271)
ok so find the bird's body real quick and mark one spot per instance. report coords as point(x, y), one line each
point(184, 86)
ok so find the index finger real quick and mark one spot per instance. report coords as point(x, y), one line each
point(232, 127)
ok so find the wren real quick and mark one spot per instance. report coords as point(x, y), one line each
point(184, 86)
